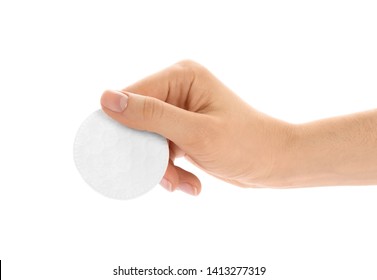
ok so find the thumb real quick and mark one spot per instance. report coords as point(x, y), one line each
point(151, 114)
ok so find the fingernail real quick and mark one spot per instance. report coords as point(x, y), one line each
point(114, 101)
point(166, 184)
point(187, 188)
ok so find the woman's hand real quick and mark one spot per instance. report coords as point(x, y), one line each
point(206, 123)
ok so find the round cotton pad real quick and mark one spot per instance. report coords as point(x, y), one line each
point(117, 161)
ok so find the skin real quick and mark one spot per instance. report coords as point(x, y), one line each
point(214, 129)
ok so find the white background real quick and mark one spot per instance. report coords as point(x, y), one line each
point(295, 60)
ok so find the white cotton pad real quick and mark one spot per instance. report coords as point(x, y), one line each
point(117, 161)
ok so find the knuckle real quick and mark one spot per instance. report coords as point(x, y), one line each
point(151, 109)
point(181, 76)
point(187, 67)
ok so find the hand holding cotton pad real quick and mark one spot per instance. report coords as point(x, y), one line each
point(117, 161)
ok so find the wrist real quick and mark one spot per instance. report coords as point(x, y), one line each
point(306, 158)
point(280, 142)
point(291, 168)
point(285, 171)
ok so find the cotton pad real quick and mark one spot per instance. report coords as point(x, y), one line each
point(117, 161)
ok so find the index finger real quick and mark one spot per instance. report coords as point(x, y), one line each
point(171, 85)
